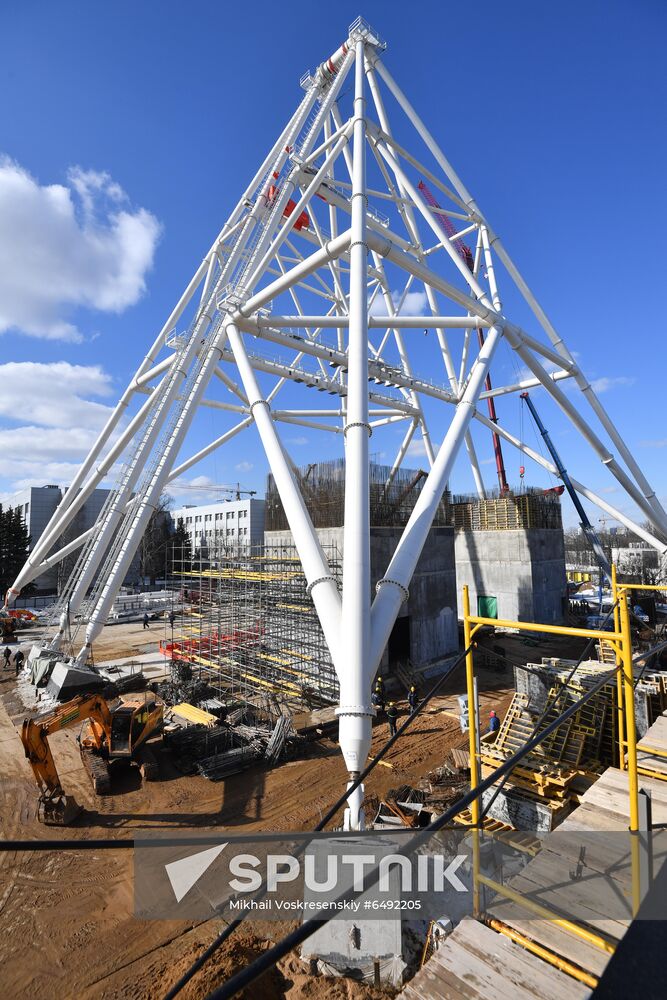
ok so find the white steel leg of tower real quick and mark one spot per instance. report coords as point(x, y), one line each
point(266, 255)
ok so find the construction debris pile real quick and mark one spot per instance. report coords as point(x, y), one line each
point(216, 752)
point(183, 686)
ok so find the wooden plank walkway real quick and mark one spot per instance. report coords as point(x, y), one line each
point(583, 870)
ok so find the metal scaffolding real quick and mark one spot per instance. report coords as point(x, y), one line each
point(249, 627)
point(300, 261)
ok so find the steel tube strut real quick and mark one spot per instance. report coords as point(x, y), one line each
point(393, 588)
point(57, 524)
point(355, 711)
point(321, 583)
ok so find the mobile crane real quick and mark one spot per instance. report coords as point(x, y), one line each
point(584, 522)
point(111, 732)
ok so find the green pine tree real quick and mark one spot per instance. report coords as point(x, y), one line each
point(14, 545)
point(181, 549)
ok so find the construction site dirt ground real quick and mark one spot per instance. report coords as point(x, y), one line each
point(66, 918)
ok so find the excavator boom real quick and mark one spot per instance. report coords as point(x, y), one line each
point(116, 731)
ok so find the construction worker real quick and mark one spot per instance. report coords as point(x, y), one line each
point(413, 699)
point(172, 618)
point(7, 655)
point(494, 722)
point(392, 716)
point(145, 619)
point(378, 694)
point(18, 661)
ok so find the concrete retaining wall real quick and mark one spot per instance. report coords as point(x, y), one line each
point(431, 607)
point(523, 569)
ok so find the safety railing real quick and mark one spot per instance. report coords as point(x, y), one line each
point(621, 640)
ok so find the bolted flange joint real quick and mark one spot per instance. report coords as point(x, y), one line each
point(358, 423)
point(386, 579)
point(358, 710)
point(320, 579)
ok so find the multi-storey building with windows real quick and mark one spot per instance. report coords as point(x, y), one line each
point(37, 505)
point(232, 524)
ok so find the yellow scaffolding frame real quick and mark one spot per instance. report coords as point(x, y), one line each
point(621, 640)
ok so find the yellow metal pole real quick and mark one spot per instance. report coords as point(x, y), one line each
point(631, 741)
point(630, 729)
point(547, 956)
point(619, 675)
point(472, 746)
point(582, 633)
point(544, 913)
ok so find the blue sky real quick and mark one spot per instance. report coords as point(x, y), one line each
point(150, 119)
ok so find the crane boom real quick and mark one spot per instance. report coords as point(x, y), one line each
point(584, 522)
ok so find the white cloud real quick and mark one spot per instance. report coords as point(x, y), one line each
point(68, 246)
point(604, 384)
point(49, 424)
point(415, 304)
point(296, 441)
point(661, 443)
point(417, 449)
point(244, 466)
point(199, 490)
point(38, 473)
point(52, 395)
point(42, 443)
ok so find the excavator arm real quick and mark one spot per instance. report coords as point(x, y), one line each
point(55, 807)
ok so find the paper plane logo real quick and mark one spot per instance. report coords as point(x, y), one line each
point(185, 873)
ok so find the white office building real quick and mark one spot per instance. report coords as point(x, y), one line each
point(231, 524)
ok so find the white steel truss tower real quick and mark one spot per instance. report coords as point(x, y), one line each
point(338, 216)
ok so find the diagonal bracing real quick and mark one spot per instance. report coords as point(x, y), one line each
point(300, 314)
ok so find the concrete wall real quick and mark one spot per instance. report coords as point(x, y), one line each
point(431, 608)
point(523, 569)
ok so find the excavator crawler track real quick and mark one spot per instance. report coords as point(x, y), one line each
point(98, 771)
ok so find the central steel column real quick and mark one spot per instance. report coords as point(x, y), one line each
point(355, 712)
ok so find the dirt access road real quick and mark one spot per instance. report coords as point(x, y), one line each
point(66, 918)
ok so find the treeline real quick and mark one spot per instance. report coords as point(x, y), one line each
point(14, 541)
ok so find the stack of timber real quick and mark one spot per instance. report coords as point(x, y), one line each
point(506, 513)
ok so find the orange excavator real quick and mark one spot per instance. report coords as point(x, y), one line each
point(112, 731)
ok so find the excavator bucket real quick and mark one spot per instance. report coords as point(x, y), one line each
point(60, 810)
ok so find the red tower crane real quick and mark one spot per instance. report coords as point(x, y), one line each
point(466, 255)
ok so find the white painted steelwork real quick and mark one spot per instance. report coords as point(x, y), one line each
point(337, 302)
